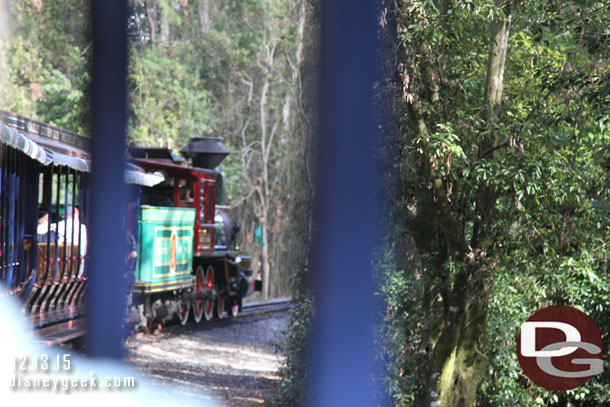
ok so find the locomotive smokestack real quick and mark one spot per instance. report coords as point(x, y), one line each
point(205, 152)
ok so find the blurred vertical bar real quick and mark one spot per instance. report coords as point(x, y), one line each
point(106, 302)
point(342, 354)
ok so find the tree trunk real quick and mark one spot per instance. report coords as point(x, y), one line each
point(164, 27)
point(291, 95)
point(4, 19)
point(204, 16)
point(454, 304)
point(151, 17)
point(266, 144)
point(306, 120)
point(497, 56)
point(457, 361)
point(265, 258)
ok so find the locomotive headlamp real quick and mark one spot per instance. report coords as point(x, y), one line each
point(237, 260)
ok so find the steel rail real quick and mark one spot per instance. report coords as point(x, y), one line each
point(264, 307)
point(251, 309)
point(73, 329)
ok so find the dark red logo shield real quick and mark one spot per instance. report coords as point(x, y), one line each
point(560, 348)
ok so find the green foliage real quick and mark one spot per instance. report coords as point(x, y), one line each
point(548, 228)
point(168, 100)
point(22, 69)
point(46, 63)
point(399, 330)
point(294, 373)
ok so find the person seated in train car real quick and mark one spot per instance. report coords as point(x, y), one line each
point(186, 193)
point(44, 234)
point(131, 260)
point(65, 232)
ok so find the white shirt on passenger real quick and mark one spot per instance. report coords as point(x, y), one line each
point(64, 233)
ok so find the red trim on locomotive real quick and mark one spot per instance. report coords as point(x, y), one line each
point(203, 180)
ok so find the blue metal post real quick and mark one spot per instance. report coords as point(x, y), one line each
point(12, 182)
point(20, 218)
point(106, 303)
point(342, 354)
point(31, 224)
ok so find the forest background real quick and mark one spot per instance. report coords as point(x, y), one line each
point(499, 187)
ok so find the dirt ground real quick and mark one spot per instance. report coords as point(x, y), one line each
point(234, 362)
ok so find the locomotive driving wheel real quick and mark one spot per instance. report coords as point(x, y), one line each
point(221, 311)
point(185, 307)
point(198, 304)
point(208, 305)
point(234, 306)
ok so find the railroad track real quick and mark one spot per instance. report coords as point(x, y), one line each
point(74, 329)
point(264, 307)
point(251, 309)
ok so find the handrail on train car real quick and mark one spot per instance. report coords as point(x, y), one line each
point(14, 133)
